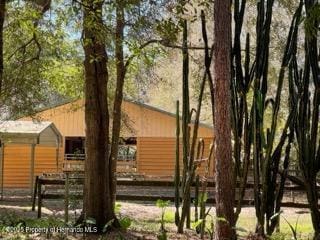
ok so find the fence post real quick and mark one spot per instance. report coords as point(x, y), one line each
point(66, 199)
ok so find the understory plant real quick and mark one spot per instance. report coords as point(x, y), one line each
point(125, 221)
point(204, 225)
point(293, 228)
point(163, 206)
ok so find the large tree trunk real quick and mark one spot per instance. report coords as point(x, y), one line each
point(2, 18)
point(98, 202)
point(222, 122)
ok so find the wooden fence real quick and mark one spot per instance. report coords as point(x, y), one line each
point(62, 187)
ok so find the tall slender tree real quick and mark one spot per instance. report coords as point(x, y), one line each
point(120, 76)
point(98, 196)
point(123, 35)
point(97, 89)
point(2, 17)
point(222, 120)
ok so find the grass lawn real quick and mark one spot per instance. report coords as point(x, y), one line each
point(301, 217)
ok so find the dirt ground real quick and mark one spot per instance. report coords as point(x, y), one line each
point(145, 217)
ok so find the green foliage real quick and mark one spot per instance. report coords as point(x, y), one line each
point(34, 45)
point(162, 205)
point(43, 57)
point(197, 223)
point(12, 226)
point(205, 225)
point(141, 21)
point(162, 235)
point(125, 222)
point(169, 216)
point(9, 219)
point(293, 228)
point(310, 20)
point(168, 29)
point(278, 236)
point(201, 223)
point(117, 208)
point(203, 197)
point(66, 77)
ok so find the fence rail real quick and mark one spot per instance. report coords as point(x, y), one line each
point(139, 195)
point(78, 166)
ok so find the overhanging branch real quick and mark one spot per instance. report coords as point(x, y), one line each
point(163, 43)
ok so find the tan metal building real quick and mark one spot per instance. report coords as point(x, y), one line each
point(148, 141)
point(19, 141)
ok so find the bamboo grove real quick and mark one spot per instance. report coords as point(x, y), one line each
point(262, 149)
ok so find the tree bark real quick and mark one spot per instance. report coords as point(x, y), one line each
point(2, 18)
point(98, 202)
point(222, 121)
point(120, 71)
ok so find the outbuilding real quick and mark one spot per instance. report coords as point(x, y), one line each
point(147, 144)
point(27, 149)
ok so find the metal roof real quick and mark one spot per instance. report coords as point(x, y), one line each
point(138, 103)
point(29, 132)
point(156, 109)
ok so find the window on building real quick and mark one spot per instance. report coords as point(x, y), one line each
point(127, 149)
point(74, 148)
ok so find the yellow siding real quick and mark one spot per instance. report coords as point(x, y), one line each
point(148, 122)
point(68, 118)
point(143, 121)
point(17, 161)
point(156, 156)
point(155, 132)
